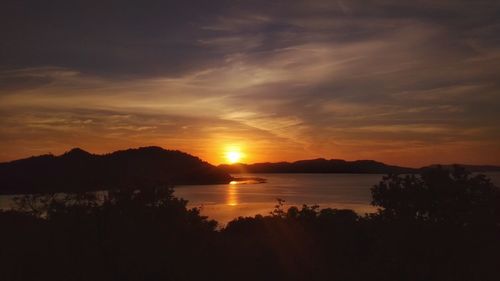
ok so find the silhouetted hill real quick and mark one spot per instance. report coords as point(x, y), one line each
point(318, 166)
point(78, 170)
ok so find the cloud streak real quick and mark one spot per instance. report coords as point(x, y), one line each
point(407, 83)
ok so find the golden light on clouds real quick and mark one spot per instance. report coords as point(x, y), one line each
point(410, 95)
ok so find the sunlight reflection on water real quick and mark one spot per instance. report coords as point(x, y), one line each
point(250, 197)
point(232, 194)
point(246, 198)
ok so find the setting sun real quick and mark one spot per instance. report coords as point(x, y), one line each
point(233, 156)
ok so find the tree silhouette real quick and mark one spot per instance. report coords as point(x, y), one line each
point(441, 225)
point(439, 195)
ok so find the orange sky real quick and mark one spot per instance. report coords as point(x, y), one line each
point(384, 80)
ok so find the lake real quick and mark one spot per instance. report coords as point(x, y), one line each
point(228, 201)
point(225, 202)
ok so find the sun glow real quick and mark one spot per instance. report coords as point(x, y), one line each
point(233, 156)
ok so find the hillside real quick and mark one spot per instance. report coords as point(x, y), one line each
point(78, 170)
point(318, 166)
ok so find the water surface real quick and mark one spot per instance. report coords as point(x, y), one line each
point(225, 202)
point(228, 201)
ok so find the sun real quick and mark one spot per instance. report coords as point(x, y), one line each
point(233, 156)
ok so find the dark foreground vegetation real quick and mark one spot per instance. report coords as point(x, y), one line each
point(442, 225)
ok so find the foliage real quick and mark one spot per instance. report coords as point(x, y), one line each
point(440, 196)
point(442, 225)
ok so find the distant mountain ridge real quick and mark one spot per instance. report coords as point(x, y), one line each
point(319, 165)
point(322, 165)
point(78, 170)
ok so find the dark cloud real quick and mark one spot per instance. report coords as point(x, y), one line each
point(105, 37)
point(162, 37)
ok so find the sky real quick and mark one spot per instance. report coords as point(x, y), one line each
point(403, 82)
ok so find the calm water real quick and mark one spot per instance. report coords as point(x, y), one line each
point(228, 201)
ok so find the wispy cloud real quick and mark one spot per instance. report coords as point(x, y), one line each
point(401, 82)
